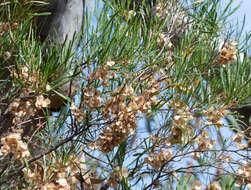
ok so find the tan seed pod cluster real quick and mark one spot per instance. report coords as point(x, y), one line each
point(163, 9)
point(117, 175)
point(21, 110)
point(120, 108)
point(79, 115)
point(181, 123)
point(124, 123)
point(63, 175)
point(29, 78)
point(123, 114)
point(92, 98)
point(177, 22)
point(160, 159)
point(204, 143)
point(215, 115)
point(12, 143)
point(42, 102)
point(228, 53)
point(244, 173)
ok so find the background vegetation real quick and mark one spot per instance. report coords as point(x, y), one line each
point(156, 87)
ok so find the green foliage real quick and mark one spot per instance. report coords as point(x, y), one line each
point(171, 64)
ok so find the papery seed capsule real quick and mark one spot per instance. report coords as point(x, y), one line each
point(7, 55)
